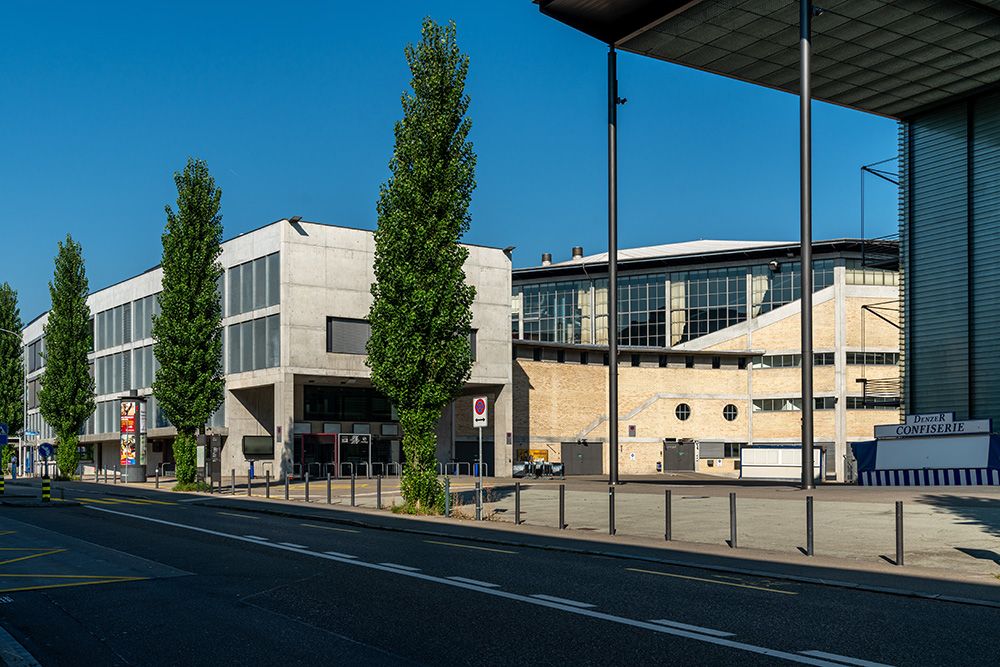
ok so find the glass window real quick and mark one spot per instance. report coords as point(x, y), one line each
point(234, 291)
point(273, 280)
point(246, 287)
point(235, 365)
point(260, 282)
point(872, 358)
point(683, 411)
point(273, 341)
point(259, 343)
point(705, 301)
point(642, 310)
point(246, 346)
point(556, 312)
point(730, 412)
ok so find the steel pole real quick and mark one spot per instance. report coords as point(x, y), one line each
point(612, 266)
point(805, 176)
point(479, 479)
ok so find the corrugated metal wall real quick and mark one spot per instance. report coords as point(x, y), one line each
point(950, 248)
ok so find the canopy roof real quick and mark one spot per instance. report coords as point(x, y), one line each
point(889, 57)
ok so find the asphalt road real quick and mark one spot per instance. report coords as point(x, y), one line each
point(155, 580)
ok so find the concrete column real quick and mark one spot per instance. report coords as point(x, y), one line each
point(503, 423)
point(840, 368)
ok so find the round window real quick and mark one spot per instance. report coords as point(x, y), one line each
point(730, 412)
point(683, 411)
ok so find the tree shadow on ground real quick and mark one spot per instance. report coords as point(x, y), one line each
point(969, 510)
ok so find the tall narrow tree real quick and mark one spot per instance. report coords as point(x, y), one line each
point(11, 367)
point(189, 384)
point(66, 398)
point(420, 317)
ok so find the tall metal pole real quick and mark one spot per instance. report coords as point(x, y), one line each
point(612, 265)
point(805, 171)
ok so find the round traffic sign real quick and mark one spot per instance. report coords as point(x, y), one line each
point(480, 406)
point(45, 450)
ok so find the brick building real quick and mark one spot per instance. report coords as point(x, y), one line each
point(709, 353)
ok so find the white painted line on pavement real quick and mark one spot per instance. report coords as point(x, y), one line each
point(844, 659)
point(192, 500)
point(295, 546)
point(338, 554)
point(694, 628)
point(563, 601)
point(590, 613)
point(475, 582)
point(401, 567)
point(256, 537)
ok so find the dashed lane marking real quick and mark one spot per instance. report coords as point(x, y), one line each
point(339, 530)
point(242, 516)
point(844, 659)
point(694, 628)
point(339, 555)
point(711, 581)
point(474, 582)
point(293, 545)
point(256, 537)
point(572, 603)
point(469, 546)
point(397, 566)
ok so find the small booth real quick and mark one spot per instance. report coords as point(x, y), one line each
point(930, 450)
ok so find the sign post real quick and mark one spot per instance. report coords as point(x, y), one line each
point(479, 420)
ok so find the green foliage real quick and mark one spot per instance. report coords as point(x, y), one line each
point(421, 313)
point(189, 384)
point(66, 398)
point(11, 362)
point(8, 451)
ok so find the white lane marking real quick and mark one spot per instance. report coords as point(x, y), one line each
point(694, 628)
point(193, 500)
point(645, 625)
point(338, 554)
point(256, 537)
point(844, 659)
point(297, 546)
point(475, 582)
point(401, 567)
point(573, 603)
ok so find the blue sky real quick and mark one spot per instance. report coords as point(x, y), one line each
point(292, 106)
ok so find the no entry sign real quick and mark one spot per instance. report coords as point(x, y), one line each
point(479, 412)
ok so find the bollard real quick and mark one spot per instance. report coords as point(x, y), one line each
point(267, 483)
point(45, 489)
point(732, 520)
point(562, 506)
point(232, 480)
point(611, 510)
point(378, 491)
point(105, 475)
point(447, 497)
point(666, 516)
point(329, 489)
point(156, 476)
point(286, 486)
point(307, 487)
point(809, 525)
point(250, 482)
point(899, 533)
point(96, 473)
point(116, 471)
point(352, 488)
point(517, 503)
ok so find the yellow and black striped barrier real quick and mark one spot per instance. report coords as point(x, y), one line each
point(45, 489)
point(1, 483)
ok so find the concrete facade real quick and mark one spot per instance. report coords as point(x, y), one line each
point(276, 341)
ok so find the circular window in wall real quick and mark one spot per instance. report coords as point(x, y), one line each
point(683, 411)
point(730, 412)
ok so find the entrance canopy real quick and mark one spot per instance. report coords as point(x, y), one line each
point(892, 58)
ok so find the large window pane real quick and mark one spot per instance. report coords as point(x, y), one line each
point(234, 291)
point(246, 287)
point(273, 279)
point(260, 282)
point(273, 342)
point(259, 343)
point(246, 346)
point(234, 349)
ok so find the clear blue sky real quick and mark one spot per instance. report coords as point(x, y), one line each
point(293, 104)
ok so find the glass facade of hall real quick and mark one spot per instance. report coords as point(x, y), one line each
point(661, 309)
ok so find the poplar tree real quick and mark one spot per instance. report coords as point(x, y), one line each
point(421, 317)
point(189, 384)
point(11, 368)
point(66, 398)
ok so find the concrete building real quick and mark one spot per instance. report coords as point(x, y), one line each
point(709, 353)
point(296, 296)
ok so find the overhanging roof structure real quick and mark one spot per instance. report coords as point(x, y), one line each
point(894, 58)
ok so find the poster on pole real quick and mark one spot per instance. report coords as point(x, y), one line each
point(479, 412)
point(128, 424)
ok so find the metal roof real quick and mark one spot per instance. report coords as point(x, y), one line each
point(667, 250)
point(888, 57)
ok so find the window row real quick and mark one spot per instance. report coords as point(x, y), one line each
point(254, 284)
point(819, 403)
point(254, 344)
point(793, 360)
point(35, 353)
point(346, 335)
point(658, 309)
point(720, 450)
point(125, 323)
point(729, 413)
point(873, 358)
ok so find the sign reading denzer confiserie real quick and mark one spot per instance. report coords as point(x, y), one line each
point(937, 423)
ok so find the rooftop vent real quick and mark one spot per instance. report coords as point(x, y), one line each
point(546, 258)
point(577, 252)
